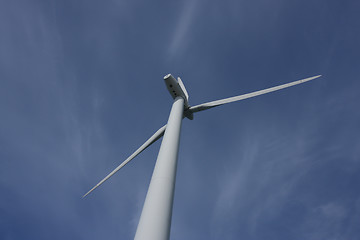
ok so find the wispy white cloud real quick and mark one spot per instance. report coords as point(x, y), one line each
point(324, 222)
point(260, 185)
point(235, 182)
point(333, 210)
point(183, 26)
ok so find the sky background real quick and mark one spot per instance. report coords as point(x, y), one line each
point(81, 88)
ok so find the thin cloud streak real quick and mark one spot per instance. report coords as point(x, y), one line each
point(182, 29)
point(264, 184)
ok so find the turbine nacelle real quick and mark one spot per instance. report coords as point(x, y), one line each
point(176, 89)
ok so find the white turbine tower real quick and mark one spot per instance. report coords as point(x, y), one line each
point(155, 219)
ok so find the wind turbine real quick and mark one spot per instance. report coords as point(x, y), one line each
point(155, 219)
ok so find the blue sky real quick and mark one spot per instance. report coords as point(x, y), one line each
point(81, 88)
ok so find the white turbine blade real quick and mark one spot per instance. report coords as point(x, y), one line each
point(183, 88)
point(205, 106)
point(159, 133)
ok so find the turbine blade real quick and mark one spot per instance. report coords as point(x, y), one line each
point(159, 133)
point(208, 105)
point(183, 88)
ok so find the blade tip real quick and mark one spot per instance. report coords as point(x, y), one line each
point(87, 193)
point(317, 76)
point(312, 78)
